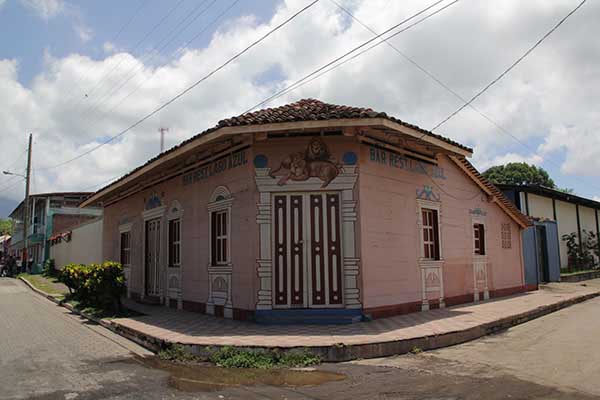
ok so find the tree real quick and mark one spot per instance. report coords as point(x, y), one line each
point(519, 174)
point(6, 227)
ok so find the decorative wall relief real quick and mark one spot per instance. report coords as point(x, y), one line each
point(478, 212)
point(427, 193)
point(220, 284)
point(316, 161)
point(153, 201)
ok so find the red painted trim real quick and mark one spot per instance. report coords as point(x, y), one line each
point(406, 308)
point(507, 291)
point(194, 306)
point(529, 288)
point(390, 311)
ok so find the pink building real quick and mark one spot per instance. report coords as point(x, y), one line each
point(312, 212)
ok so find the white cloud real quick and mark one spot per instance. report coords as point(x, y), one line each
point(45, 9)
point(83, 32)
point(549, 97)
point(48, 9)
point(108, 47)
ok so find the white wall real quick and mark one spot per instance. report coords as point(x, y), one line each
point(540, 207)
point(85, 246)
point(566, 216)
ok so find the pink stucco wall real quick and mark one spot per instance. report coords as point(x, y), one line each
point(390, 241)
point(386, 236)
point(194, 199)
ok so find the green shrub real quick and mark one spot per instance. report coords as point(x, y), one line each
point(231, 357)
point(50, 267)
point(100, 285)
point(176, 352)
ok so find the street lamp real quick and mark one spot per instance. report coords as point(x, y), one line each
point(12, 173)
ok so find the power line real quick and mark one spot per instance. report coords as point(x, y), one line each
point(154, 52)
point(445, 86)
point(143, 3)
point(185, 91)
point(150, 32)
point(322, 70)
point(173, 54)
point(6, 188)
point(506, 71)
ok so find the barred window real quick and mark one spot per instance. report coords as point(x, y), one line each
point(219, 237)
point(126, 249)
point(174, 243)
point(479, 238)
point(431, 237)
point(506, 236)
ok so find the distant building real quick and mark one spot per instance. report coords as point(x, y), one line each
point(573, 214)
point(49, 213)
point(312, 212)
point(79, 245)
point(4, 245)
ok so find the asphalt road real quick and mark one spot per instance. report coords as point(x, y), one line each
point(48, 353)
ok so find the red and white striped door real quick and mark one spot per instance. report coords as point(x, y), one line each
point(307, 250)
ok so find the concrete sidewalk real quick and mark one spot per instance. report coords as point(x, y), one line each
point(395, 335)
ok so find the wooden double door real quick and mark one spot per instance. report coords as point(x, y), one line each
point(152, 257)
point(307, 259)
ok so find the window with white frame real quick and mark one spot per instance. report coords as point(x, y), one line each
point(479, 239)
point(219, 210)
point(220, 237)
point(430, 232)
point(506, 236)
point(126, 249)
point(174, 246)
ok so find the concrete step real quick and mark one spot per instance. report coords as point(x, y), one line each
point(309, 316)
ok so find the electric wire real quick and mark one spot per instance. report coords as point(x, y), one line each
point(139, 43)
point(95, 66)
point(151, 55)
point(324, 69)
point(173, 55)
point(189, 88)
point(447, 87)
point(506, 71)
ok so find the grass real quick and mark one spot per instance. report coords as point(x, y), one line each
point(100, 313)
point(583, 271)
point(46, 284)
point(232, 357)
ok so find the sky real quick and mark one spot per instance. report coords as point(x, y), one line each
point(77, 73)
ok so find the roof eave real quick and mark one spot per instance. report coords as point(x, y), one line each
point(273, 127)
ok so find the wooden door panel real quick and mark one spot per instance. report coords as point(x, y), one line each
point(297, 250)
point(334, 249)
point(280, 263)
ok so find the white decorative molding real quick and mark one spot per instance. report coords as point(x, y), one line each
point(432, 273)
point(480, 278)
point(158, 212)
point(125, 227)
point(432, 281)
point(480, 274)
point(343, 183)
point(219, 295)
point(175, 211)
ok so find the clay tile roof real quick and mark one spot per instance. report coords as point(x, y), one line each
point(302, 110)
point(508, 206)
point(313, 110)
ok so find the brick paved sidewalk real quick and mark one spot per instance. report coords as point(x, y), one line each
point(456, 324)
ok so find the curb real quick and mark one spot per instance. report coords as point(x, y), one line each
point(341, 352)
point(105, 324)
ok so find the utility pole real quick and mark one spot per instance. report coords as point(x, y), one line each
point(26, 218)
point(162, 138)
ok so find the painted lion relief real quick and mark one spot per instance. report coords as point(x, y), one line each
point(315, 162)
